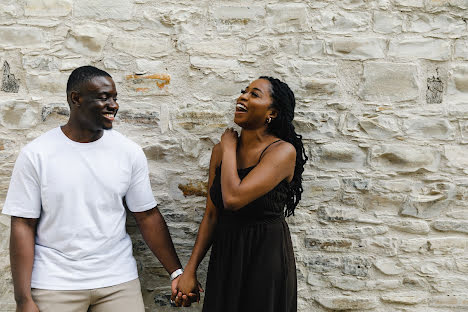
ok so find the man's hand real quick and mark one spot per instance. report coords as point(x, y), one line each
point(185, 290)
point(27, 306)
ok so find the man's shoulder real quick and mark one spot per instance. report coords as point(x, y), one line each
point(43, 141)
point(123, 140)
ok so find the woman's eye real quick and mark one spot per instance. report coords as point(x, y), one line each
point(242, 91)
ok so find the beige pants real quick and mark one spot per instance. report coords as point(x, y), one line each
point(125, 297)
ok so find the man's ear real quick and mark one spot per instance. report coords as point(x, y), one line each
point(75, 98)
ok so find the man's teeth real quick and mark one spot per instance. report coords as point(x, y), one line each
point(109, 115)
point(241, 107)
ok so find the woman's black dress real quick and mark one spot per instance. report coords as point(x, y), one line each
point(252, 266)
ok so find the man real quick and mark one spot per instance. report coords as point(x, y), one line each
point(69, 249)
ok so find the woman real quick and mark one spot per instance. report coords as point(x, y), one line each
point(254, 181)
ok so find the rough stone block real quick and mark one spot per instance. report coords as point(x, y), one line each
point(22, 37)
point(435, 89)
point(311, 48)
point(342, 303)
point(87, 39)
point(404, 158)
point(380, 127)
point(334, 245)
point(410, 3)
point(429, 128)
point(405, 298)
point(424, 48)
point(152, 84)
point(287, 17)
point(387, 23)
point(243, 14)
point(348, 283)
point(409, 226)
point(456, 155)
point(341, 22)
point(213, 63)
point(451, 226)
point(340, 155)
point(457, 90)
point(316, 125)
point(447, 245)
point(317, 191)
point(55, 83)
point(217, 47)
point(19, 114)
point(47, 7)
point(389, 266)
point(428, 202)
point(320, 88)
point(441, 25)
point(452, 301)
point(9, 82)
point(102, 9)
point(357, 48)
point(389, 82)
point(461, 49)
point(142, 46)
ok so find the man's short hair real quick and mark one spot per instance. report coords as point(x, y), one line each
point(82, 75)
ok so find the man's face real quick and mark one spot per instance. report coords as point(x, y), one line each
point(97, 103)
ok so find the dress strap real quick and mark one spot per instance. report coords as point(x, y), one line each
point(260, 158)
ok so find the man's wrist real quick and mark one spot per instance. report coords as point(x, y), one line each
point(176, 273)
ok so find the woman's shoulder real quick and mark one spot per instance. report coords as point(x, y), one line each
point(279, 152)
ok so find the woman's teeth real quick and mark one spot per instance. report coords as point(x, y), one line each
point(241, 107)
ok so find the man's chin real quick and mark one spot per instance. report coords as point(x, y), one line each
point(107, 127)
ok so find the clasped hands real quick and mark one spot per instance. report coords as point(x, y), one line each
point(185, 290)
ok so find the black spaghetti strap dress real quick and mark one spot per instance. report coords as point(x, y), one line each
point(252, 265)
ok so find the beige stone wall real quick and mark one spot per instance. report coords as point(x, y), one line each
point(382, 92)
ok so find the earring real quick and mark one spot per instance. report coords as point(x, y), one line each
point(269, 120)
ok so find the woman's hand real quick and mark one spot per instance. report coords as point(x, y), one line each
point(229, 139)
point(186, 289)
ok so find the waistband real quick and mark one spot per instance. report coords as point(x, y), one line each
point(243, 221)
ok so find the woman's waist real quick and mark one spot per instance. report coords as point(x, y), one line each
point(239, 220)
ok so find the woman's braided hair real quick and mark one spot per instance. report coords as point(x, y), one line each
point(281, 126)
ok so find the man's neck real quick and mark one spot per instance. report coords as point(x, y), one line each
point(79, 134)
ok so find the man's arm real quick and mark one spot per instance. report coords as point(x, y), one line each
point(156, 234)
point(22, 238)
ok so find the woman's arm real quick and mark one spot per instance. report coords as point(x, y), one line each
point(277, 164)
point(188, 280)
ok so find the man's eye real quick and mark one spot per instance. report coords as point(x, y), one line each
point(254, 94)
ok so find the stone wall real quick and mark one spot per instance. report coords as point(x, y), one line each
point(382, 103)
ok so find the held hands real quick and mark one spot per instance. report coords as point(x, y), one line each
point(185, 290)
point(229, 139)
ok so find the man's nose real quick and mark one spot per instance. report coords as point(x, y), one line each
point(113, 104)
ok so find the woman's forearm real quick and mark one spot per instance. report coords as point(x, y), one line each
point(203, 242)
point(230, 180)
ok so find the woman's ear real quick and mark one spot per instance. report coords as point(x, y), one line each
point(273, 113)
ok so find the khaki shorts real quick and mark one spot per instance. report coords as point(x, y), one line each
point(123, 297)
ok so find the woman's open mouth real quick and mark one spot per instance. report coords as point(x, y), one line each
point(240, 108)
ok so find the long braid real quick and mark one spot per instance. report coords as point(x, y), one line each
point(281, 126)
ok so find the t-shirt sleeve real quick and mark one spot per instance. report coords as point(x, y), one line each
point(24, 194)
point(139, 196)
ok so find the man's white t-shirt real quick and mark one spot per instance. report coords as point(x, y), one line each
point(76, 190)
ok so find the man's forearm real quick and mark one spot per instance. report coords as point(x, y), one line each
point(22, 238)
point(156, 235)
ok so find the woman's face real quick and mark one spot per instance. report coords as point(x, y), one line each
point(253, 106)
